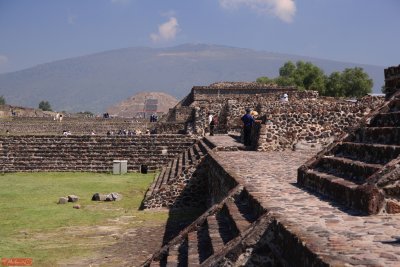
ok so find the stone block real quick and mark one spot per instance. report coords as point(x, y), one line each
point(73, 198)
point(99, 197)
point(392, 207)
point(62, 200)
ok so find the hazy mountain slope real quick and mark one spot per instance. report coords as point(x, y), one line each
point(96, 81)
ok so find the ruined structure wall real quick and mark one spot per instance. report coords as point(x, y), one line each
point(47, 125)
point(317, 120)
point(88, 153)
point(392, 80)
point(305, 117)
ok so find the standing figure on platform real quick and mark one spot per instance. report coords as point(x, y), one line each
point(248, 121)
point(210, 123)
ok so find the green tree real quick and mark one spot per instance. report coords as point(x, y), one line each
point(356, 82)
point(334, 85)
point(45, 106)
point(2, 100)
point(287, 69)
point(310, 77)
point(264, 80)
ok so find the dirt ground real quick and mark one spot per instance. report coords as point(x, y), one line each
point(117, 244)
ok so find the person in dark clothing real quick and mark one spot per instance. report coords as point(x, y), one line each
point(213, 124)
point(248, 121)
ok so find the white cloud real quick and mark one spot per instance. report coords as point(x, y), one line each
point(166, 31)
point(283, 9)
point(3, 60)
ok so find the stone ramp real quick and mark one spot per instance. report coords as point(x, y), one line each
point(332, 232)
point(360, 169)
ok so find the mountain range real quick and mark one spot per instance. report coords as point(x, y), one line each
point(97, 81)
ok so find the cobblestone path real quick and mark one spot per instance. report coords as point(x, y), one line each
point(341, 237)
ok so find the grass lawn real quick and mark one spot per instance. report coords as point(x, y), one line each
point(32, 225)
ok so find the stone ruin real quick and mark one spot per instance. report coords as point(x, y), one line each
point(306, 117)
point(354, 178)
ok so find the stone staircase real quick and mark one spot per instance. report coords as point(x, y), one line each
point(88, 153)
point(175, 176)
point(361, 170)
point(221, 227)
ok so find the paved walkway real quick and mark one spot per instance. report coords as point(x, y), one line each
point(337, 234)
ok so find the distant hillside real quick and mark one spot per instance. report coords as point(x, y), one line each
point(96, 81)
point(136, 104)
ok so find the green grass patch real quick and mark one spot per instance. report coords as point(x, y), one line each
point(33, 225)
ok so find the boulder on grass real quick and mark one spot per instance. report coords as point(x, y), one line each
point(99, 197)
point(113, 197)
point(77, 206)
point(62, 200)
point(73, 198)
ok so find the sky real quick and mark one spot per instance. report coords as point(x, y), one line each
point(359, 31)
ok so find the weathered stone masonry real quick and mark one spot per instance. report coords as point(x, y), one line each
point(305, 117)
point(88, 153)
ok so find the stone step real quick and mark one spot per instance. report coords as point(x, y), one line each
point(369, 153)
point(173, 256)
point(378, 135)
point(204, 242)
point(241, 214)
point(198, 151)
point(214, 232)
point(182, 254)
point(174, 167)
point(353, 170)
point(204, 147)
point(193, 251)
point(158, 178)
point(367, 199)
point(221, 229)
point(179, 166)
point(394, 105)
point(391, 119)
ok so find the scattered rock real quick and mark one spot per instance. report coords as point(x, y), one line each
point(77, 206)
point(99, 197)
point(107, 197)
point(73, 198)
point(62, 200)
point(113, 197)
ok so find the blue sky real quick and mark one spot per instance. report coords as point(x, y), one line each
point(39, 31)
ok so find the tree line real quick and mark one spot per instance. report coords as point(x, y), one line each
point(352, 82)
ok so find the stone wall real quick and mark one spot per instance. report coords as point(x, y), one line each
point(88, 153)
point(392, 80)
point(77, 126)
point(306, 117)
point(316, 121)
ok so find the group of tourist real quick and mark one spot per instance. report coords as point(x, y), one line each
point(247, 119)
point(153, 117)
point(58, 117)
point(123, 132)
